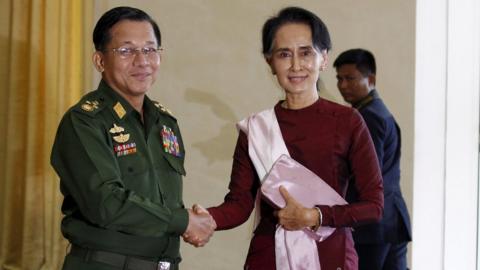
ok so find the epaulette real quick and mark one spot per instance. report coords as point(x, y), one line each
point(162, 109)
point(90, 106)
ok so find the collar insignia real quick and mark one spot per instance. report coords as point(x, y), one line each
point(118, 108)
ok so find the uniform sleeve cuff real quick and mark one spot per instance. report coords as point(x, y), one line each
point(179, 221)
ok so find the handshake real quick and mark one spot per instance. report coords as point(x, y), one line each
point(200, 228)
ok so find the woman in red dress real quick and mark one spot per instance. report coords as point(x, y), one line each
point(329, 139)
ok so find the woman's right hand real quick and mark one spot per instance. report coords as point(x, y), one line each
point(294, 216)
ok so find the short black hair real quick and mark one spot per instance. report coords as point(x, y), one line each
point(101, 33)
point(363, 60)
point(320, 35)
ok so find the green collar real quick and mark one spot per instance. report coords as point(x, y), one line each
point(120, 106)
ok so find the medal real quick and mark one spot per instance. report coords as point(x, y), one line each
point(121, 138)
point(118, 134)
point(170, 142)
point(116, 129)
point(125, 149)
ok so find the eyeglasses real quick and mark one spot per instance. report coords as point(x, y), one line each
point(305, 54)
point(127, 53)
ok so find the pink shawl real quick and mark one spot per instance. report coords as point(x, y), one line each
point(294, 250)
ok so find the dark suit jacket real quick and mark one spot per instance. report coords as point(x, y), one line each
point(395, 224)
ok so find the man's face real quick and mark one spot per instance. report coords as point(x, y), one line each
point(130, 74)
point(352, 84)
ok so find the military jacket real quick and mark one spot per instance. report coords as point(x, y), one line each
point(121, 178)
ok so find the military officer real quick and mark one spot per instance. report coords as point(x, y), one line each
point(120, 158)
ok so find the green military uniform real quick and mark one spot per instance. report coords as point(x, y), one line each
point(121, 179)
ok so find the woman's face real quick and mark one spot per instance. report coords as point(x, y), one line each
point(294, 59)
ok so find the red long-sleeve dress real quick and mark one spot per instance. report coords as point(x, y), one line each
point(332, 141)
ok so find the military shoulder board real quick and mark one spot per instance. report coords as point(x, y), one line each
point(89, 106)
point(163, 109)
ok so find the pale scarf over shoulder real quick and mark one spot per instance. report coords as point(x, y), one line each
point(294, 250)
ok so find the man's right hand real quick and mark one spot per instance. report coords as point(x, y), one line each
point(200, 228)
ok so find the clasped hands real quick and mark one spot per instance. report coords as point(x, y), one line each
point(294, 216)
point(200, 228)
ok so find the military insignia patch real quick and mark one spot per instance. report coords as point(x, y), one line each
point(162, 108)
point(121, 138)
point(118, 108)
point(116, 129)
point(118, 135)
point(125, 149)
point(90, 106)
point(170, 142)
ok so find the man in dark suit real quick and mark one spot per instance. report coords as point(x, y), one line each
point(383, 245)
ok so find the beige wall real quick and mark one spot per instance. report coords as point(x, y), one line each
point(213, 75)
